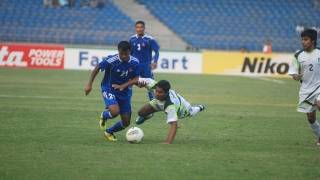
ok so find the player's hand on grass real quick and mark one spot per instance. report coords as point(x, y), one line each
point(154, 66)
point(117, 86)
point(88, 89)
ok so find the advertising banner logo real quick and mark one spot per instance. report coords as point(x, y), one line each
point(32, 56)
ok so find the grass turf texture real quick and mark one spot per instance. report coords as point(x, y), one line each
point(249, 130)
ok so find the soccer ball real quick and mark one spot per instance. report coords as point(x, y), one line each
point(134, 135)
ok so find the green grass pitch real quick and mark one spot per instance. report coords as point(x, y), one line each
point(249, 130)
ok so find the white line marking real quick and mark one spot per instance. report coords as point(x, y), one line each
point(267, 79)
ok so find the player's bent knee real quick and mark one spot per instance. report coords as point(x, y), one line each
point(140, 113)
point(143, 114)
point(114, 113)
point(114, 110)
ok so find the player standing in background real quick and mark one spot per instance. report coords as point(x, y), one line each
point(306, 69)
point(167, 100)
point(121, 72)
point(142, 48)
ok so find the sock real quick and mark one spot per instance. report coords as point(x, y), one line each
point(151, 95)
point(116, 127)
point(316, 128)
point(106, 115)
point(194, 110)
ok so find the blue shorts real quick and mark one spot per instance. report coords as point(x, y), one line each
point(145, 71)
point(111, 99)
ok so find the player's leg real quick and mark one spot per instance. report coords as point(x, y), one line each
point(125, 113)
point(145, 113)
point(195, 109)
point(191, 110)
point(118, 126)
point(111, 111)
point(314, 124)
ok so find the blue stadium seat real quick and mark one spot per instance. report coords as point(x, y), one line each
point(30, 21)
point(232, 24)
point(206, 24)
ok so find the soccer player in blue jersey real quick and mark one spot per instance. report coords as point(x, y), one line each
point(142, 48)
point(121, 72)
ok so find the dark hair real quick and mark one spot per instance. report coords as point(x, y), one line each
point(164, 84)
point(124, 46)
point(311, 33)
point(140, 22)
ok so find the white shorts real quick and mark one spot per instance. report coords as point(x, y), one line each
point(308, 105)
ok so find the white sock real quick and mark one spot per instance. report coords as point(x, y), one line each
point(316, 128)
point(194, 110)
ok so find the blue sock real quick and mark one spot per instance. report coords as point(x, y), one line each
point(106, 115)
point(116, 127)
point(151, 95)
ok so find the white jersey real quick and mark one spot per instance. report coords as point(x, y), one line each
point(307, 64)
point(174, 105)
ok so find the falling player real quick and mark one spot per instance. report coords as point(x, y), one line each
point(121, 72)
point(167, 100)
point(306, 69)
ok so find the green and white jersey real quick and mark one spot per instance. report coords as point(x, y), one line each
point(307, 64)
point(175, 106)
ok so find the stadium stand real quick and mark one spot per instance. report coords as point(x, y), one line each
point(204, 24)
point(233, 24)
point(30, 21)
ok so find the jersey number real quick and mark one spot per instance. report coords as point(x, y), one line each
point(109, 96)
point(310, 67)
point(124, 73)
point(139, 47)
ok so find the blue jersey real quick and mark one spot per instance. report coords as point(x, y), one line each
point(118, 72)
point(142, 47)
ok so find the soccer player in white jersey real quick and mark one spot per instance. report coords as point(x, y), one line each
point(306, 69)
point(167, 100)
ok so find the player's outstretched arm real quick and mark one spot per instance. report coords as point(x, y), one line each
point(172, 132)
point(172, 119)
point(93, 75)
point(127, 84)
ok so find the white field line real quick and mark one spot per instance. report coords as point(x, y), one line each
point(267, 79)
